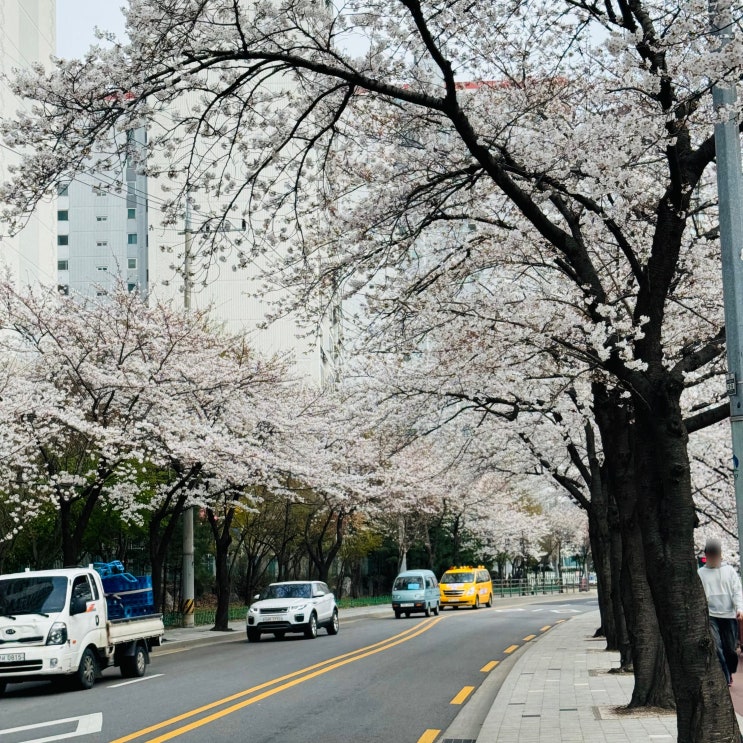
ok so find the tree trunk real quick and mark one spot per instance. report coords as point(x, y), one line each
point(616, 558)
point(598, 534)
point(705, 711)
point(652, 677)
point(222, 542)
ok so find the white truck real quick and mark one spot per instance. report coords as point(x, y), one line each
point(55, 624)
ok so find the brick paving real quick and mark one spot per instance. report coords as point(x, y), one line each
point(560, 691)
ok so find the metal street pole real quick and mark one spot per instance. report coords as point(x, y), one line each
point(730, 198)
point(187, 581)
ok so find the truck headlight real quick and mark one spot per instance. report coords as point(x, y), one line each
point(471, 591)
point(57, 634)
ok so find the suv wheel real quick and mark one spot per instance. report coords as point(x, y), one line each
point(253, 635)
point(489, 602)
point(398, 613)
point(311, 632)
point(335, 624)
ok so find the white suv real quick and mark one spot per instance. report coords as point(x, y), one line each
point(294, 606)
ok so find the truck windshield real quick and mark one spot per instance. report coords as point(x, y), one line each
point(408, 583)
point(457, 578)
point(33, 595)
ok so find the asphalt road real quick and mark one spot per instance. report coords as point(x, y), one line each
point(380, 679)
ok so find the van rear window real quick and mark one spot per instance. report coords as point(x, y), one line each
point(408, 583)
point(458, 578)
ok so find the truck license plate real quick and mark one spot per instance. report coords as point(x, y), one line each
point(12, 657)
point(404, 605)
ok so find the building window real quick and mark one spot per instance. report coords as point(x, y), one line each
point(131, 238)
point(101, 219)
point(102, 268)
point(132, 263)
point(63, 265)
point(63, 239)
point(131, 213)
point(63, 289)
point(62, 189)
point(131, 287)
point(63, 215)
point(102, 243)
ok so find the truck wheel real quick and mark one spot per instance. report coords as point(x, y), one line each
point(134, 666)
point(335, 624)
point(477, 602)
point(311, 632)
point(253, 635)
point(436, 609)
point(398, 613)
point(427, 611)
point(489, 602)
point(87, 671)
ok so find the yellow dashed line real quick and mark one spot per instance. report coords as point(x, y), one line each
point(488, 667)
point(528, 638)
point(545, 628)
point(510, 649)
point(462, 696)
point(429, 736)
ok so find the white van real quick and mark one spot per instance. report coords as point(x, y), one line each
point(415, 591)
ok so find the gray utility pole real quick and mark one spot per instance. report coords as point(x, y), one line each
point(730, 197)
point(187, 574)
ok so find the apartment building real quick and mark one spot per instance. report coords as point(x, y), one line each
point(27, 37)
point(102, 227)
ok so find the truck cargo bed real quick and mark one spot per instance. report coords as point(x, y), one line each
point(135, 628)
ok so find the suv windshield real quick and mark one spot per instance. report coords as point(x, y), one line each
point(288, 591)
point(408, 583)
point(33, 595)
point(457, 578)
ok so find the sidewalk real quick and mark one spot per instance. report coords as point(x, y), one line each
point(559, 691)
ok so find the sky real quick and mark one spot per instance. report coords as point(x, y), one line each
point(78, 19)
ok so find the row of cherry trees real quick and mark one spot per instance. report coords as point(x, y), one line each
point(522, 195)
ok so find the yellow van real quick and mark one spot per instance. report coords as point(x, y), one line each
point(466, 586)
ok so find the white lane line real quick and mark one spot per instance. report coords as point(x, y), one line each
point(135, 681)
point(86, 725)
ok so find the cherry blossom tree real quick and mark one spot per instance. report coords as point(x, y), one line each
point(584, 164)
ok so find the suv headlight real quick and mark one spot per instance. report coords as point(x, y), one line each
point(57, 634)
point(298, 607)
point(253, 610)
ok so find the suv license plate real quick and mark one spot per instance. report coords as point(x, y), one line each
point(272, 619)
point(12, 657)
point(406, 605)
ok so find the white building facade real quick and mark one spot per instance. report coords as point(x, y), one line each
point(27, 37)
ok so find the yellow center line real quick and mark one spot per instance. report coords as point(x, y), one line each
point(529, 638)
point(545, 628)
point(510, 649)
point(462, 696)
point(429, 736)
point(488, 667)
point(295, 682)
point(264, 685)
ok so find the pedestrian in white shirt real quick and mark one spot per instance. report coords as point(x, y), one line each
point(725, 601)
